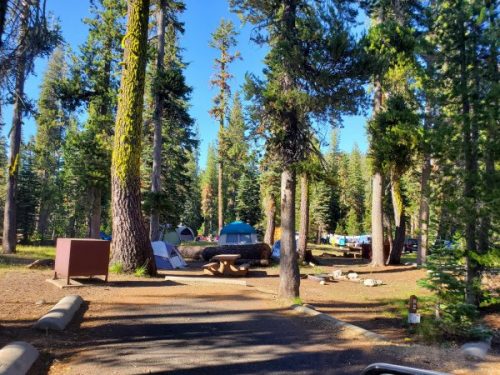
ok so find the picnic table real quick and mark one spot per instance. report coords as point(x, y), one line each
point(224, 265)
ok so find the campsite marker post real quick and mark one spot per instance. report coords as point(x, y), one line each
point(413, 316)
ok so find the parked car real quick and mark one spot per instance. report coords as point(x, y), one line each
point(411, 245)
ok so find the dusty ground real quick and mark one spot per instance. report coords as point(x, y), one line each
point(25, 296)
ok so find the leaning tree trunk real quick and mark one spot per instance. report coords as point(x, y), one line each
point(423, 214)
point(289, 270)
point(95, 196)
point(377, 221)
point(304, 255)
point(154, 221)
point(270, 210)
point(9, 221)
point(131, 246)
point(399, 220)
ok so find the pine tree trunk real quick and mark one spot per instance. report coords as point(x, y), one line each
point(95, 212)
point(220, 198)
point(304, 218)
point(470, 175)
point(490, 152)
point(154, 221)
point(131, 246)
point(289, 270)
point(377, 221)
point(423, 215)
point(43, 220)
point(400, 223)
point(9, 222)
point(270, 209)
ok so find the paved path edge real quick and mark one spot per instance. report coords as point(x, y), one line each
point(17, 358)
point(336, 323)
point(60, 315)
point(476, 351)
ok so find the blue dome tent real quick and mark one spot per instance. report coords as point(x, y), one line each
point(237, 233)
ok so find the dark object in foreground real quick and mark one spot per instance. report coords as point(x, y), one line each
point(390, 369)
point(42, 263)
point(258, 251)
point(81, 257)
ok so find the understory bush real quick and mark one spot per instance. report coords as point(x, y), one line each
point(452, 317)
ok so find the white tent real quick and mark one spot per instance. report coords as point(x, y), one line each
point(167, 257)
point(185, 233)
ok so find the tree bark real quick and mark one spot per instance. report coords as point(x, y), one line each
point(470, 173)
point(9, 222)
point(43, 220)
point(304, 218)
point(95, 197)
point(220, 197)
point(400, 222)
point(289, 269)
point(270, 209)
point(131, 245)
point(154, 221)
point(377, 221)
point(490, 152)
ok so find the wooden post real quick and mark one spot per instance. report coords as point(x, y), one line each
point(413, 317)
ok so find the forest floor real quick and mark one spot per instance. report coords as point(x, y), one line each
point(124, 310)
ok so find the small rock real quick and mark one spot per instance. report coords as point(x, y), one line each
point(40, 302)
point(336, 274)
point(370, 282)
point(322, 282)
point(312, 264)
point(316, 278)
point(352, 276)
point(379, 282)
point(475, 350)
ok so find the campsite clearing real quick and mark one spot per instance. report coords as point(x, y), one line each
point(130, 315)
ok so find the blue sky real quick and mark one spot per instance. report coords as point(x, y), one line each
point(201, 19)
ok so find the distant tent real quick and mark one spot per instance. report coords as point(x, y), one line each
point(171, 236)
point(237, 233)
point(185, 233)
point(167, 257)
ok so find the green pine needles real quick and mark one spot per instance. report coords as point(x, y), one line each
point(454, 317)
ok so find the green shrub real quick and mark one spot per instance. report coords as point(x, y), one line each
point(453, 317)
point(116, 268)
point(141, 271)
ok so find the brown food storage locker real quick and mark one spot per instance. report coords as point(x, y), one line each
point(81, 257)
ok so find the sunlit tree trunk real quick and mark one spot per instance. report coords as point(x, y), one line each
point(399, 221)
point(9, 239)
point(154, 221)
point(131, 245)
point(377, 196)
point(270, 210)
point(304, 218)
point(220, 197)
point(289, 269)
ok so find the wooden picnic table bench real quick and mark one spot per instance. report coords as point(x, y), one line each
point(224, 265)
